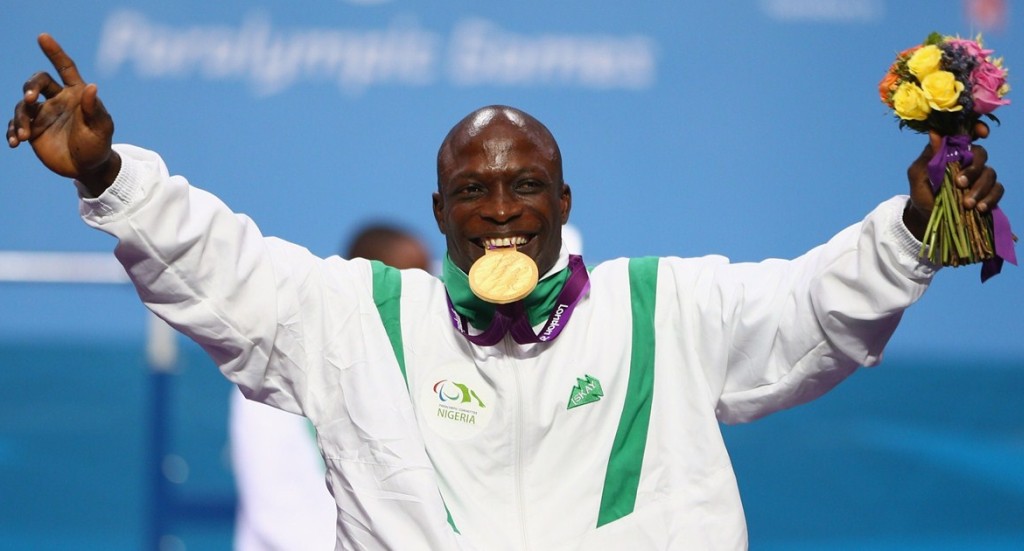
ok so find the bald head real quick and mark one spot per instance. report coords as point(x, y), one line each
point(468, 134)
point(499, 180)
point(391, 245)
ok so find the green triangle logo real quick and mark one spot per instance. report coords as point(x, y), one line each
point(586, 391)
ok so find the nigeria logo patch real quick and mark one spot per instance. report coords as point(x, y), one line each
point(587, 391)
point(456, 403)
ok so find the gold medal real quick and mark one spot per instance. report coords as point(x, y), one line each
point(503, 275)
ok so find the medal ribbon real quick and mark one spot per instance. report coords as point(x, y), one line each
point(512, 318)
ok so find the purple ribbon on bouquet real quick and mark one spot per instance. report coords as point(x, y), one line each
point(958, 149)
point(952, 149)
point(512, 318)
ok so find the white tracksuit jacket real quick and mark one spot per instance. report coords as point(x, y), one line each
point(432, 442)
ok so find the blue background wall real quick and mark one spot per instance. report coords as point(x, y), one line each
point(746, 128)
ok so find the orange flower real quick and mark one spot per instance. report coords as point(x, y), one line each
point(907, 53)
point(888, 85)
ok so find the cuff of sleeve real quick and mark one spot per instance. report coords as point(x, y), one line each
point(906, 247)
point(126, 190)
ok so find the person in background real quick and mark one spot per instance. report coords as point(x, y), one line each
point(283, 500)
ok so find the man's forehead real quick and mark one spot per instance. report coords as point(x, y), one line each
point(498, 149)
point(487, 131)
point(501, 137)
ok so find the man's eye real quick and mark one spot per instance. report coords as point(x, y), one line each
point(528, 186)
point(470, 190)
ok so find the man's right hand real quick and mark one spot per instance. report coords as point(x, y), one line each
point(71, 132)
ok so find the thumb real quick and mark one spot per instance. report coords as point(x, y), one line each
point(934, 142)
point(917, 173)
point(94, 113)
point(933, 145)
point(92, 107)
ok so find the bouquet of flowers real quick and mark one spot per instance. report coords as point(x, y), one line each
point(946, 85)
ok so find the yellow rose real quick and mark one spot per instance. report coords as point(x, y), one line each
point(909, 102)
point(924, 61)
point(942, 90)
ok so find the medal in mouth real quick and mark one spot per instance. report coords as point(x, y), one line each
point(503, 274)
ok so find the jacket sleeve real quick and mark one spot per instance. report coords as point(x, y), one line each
point(778, 333)
point(255, 304)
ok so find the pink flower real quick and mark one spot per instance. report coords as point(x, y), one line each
point(971, 47)
point(986, 81)
point(986, 101)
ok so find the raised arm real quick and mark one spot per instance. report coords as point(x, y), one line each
point(66, 124)
point(794, 329)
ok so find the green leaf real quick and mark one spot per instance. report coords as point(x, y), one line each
point(933, 38)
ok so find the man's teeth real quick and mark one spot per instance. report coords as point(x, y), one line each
point(502, 242)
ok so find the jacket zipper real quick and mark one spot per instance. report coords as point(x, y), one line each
point(518, 446)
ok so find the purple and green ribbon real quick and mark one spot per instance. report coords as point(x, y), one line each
point(515, 319)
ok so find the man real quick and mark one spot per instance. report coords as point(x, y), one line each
point(283, 504)
point(391, 245)
point(448, 422)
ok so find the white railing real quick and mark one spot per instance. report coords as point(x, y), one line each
point(95, 268)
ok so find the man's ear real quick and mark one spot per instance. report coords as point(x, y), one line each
point(438, 206)
point(566, 202)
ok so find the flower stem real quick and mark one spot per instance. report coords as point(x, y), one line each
point(954, 235)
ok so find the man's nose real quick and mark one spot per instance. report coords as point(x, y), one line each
point(502, 207)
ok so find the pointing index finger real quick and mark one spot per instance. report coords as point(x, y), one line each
point(64, 65)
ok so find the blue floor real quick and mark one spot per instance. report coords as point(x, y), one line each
point(905, 456)
point(908, 456)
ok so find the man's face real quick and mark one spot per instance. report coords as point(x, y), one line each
point(500, 184)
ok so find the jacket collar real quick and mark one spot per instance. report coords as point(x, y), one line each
point(538, 303)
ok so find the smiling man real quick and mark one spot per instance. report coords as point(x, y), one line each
point(584, 416)
point(499, 184)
